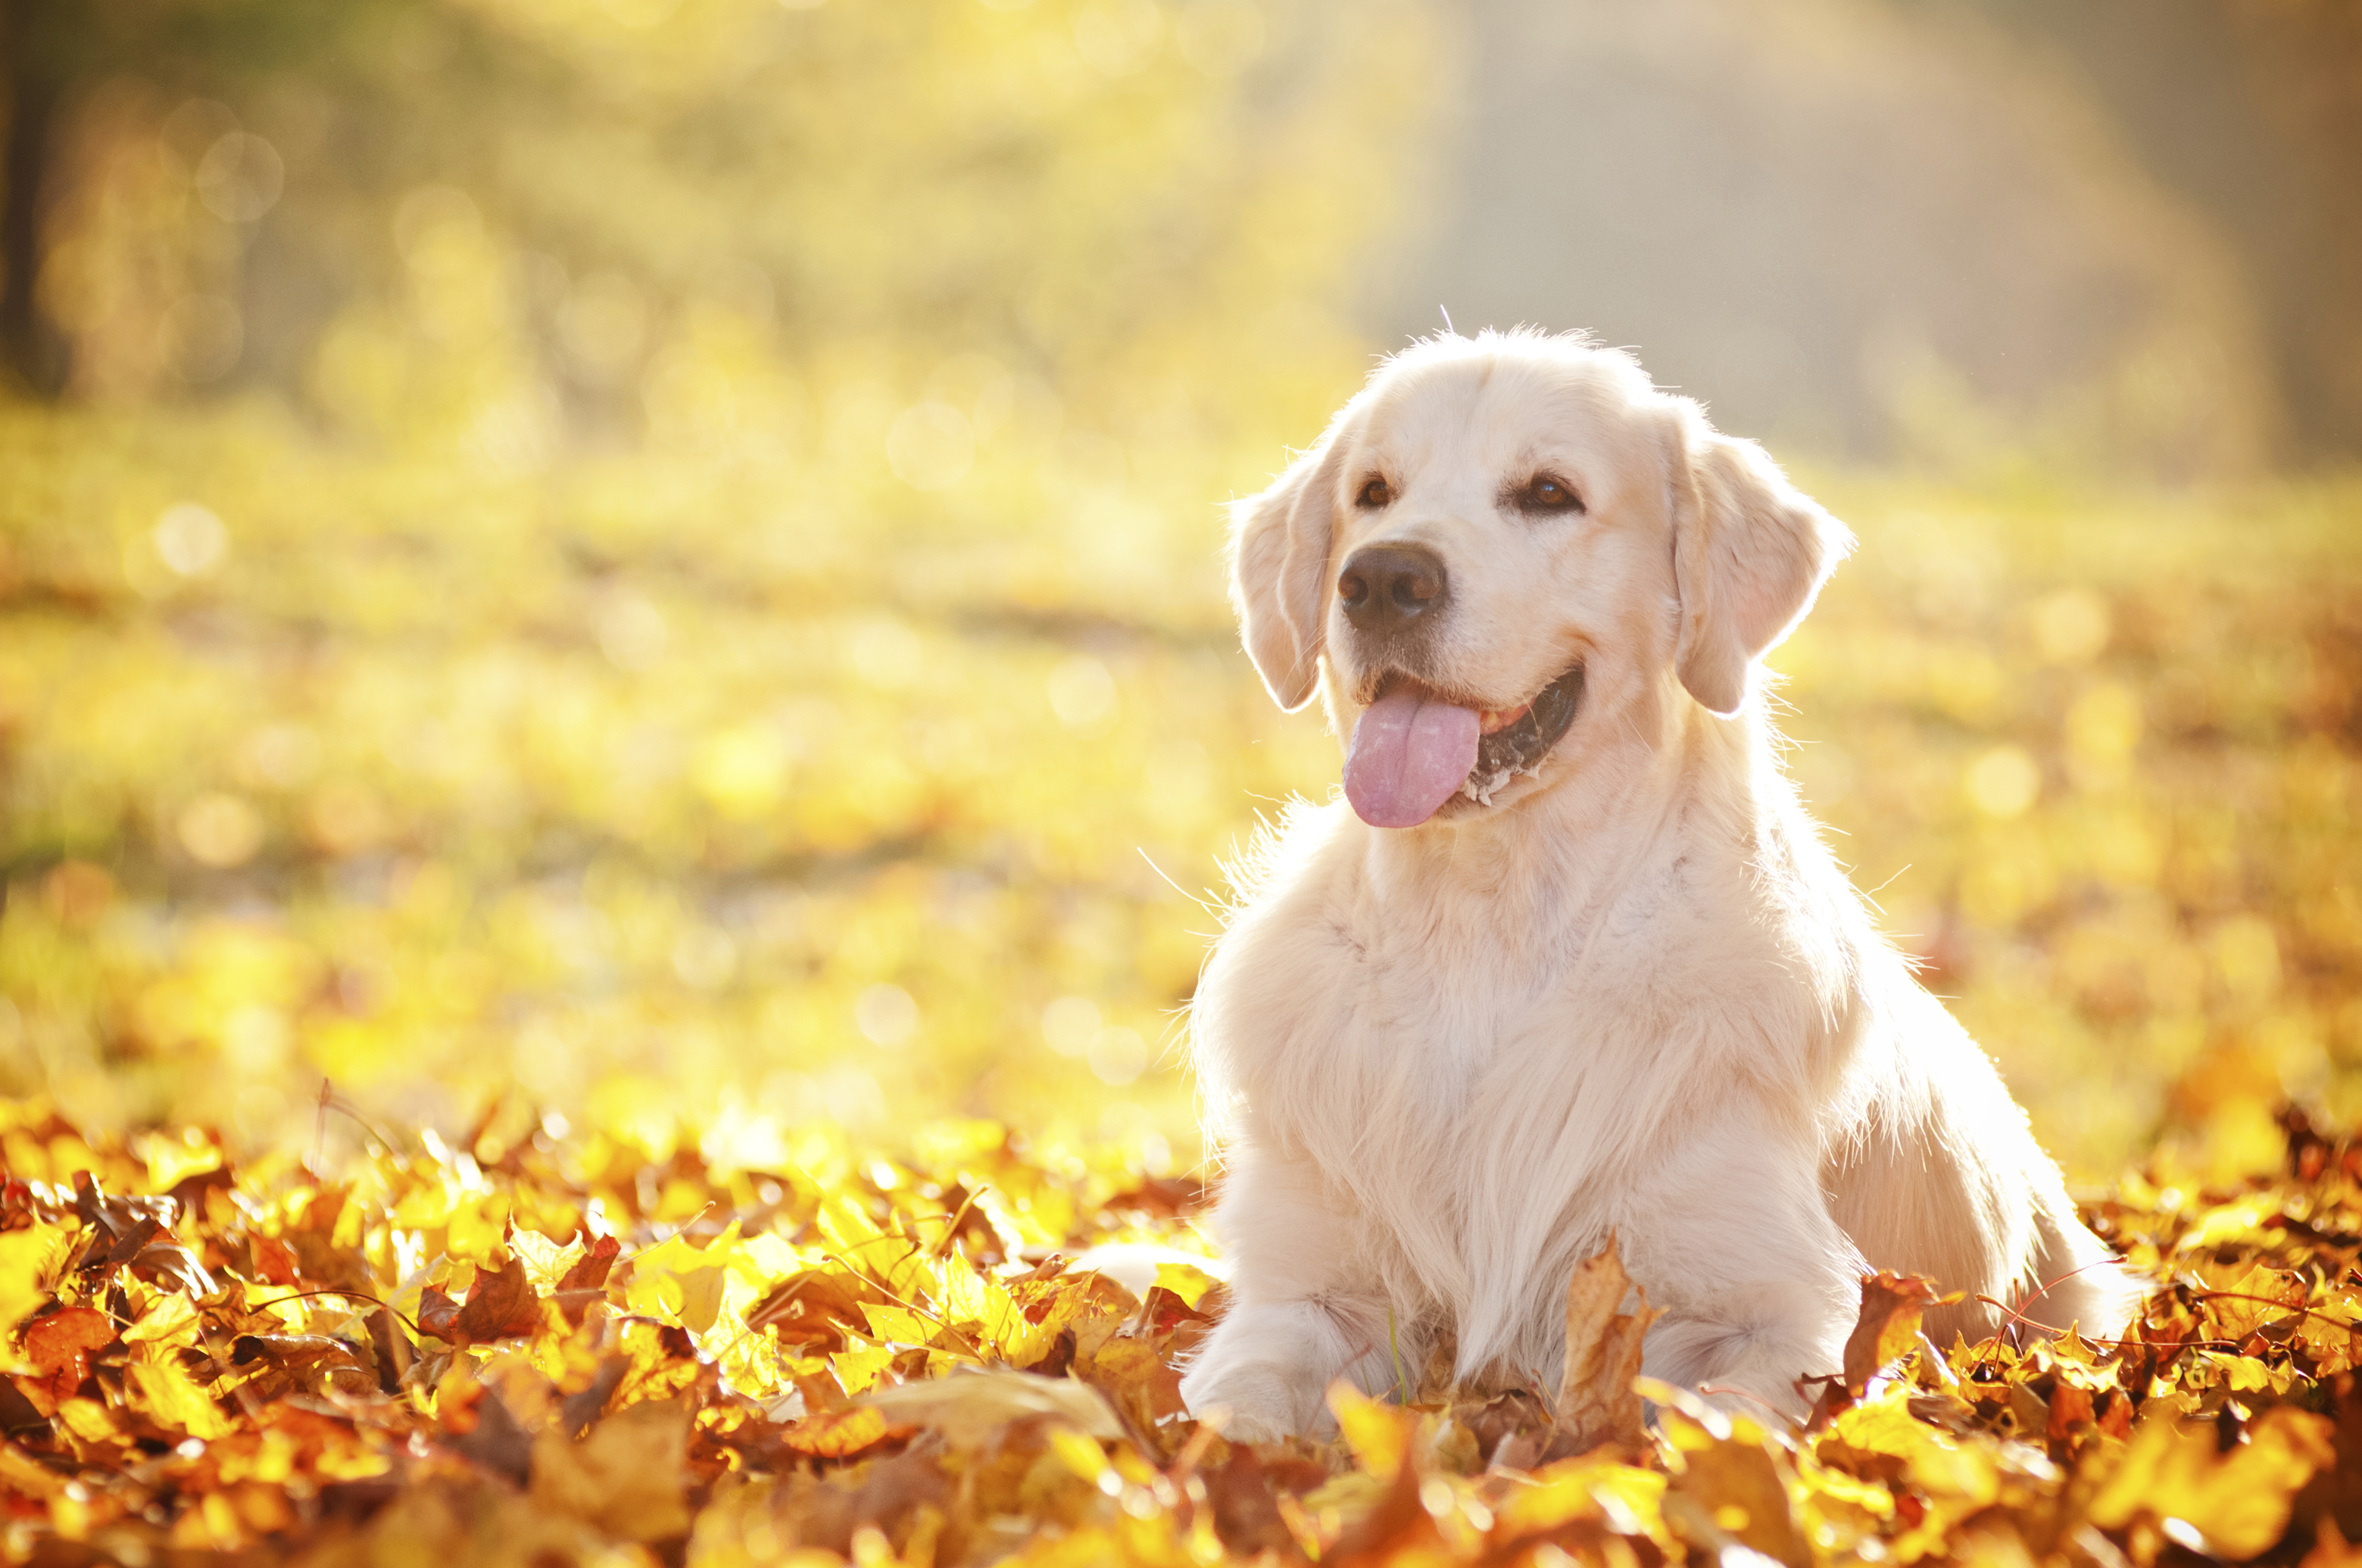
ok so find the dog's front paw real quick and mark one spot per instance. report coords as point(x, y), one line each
point(1269, 1365)
point(1258, 1403)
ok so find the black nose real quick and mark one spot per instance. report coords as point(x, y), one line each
point(1386, 587)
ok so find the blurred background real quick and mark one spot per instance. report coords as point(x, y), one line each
point(657, 561)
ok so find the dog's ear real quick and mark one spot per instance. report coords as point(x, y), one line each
point(1279, 568)
point(1751, 551)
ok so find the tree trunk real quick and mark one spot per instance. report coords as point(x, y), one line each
point(31, 353)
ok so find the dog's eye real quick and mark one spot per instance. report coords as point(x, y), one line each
point(1374, 492)
point(1548, 492)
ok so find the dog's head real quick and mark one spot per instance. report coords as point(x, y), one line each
point(1499, 545)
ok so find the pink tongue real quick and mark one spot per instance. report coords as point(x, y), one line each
point(1407, 755)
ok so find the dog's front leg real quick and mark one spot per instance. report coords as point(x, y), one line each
point(1307, 1306)
point(1759, 1286)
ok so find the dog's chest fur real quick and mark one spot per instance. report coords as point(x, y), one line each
point(1402, 987)
point(1468, 1084)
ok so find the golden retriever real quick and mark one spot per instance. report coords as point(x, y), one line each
point(1570, 956)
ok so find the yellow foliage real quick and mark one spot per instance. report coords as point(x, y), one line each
point(915, 1382)
point(2236, 1500)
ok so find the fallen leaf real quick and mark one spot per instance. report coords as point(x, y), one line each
point(582, 1409)
point(586, 1282)
point(2238, 1500)
point(628, 1478)
point(968, 1407)
point(274, 1263)
point(501, 1304)
point(1888, 1326)
point(158, 1386)
point(1379, 1434)
point(438, 1315)
point(1596, 1402)
point(59, 1347)
point(2330, 1549)
point(309, 1362)
point(838, 1433)
point(31, 1260)
point(1138, 1378)
point(496, 1441)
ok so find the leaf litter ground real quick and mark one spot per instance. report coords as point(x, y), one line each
point(589, 1350)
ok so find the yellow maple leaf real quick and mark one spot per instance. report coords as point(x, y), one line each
point(29, 1260)
point(1378, 1434)
point(2238, 1500)
point(155, 1384)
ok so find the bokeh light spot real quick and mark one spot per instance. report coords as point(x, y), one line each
point(604, 326)
point(1082, 692)
point(705, 958)
point(2247, 956)
point(240, 177)
point(2071, 626)
point(632, 632)
point(282, 754)
point(2103, 729)
point(743, 770)
point(1117, 1055)
point(886, 653)
point(2004, 783)
point(434, 226)
point(1119, 38)
point(1221, 38)
point(191, 540)
point(1070, 1024)
point(220, 830)
point(886, 1015)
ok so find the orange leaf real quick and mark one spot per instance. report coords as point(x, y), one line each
point(274, 1263)
point(1596, 1402)
point(501, 1303)
point(587, 1281)
point(1889, 1324)
point(437, 1314)
point(840, 1433)
point(59, 1347)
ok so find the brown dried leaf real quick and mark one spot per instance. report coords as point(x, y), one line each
point(1889, 1324)
point(815, 1307)
point(307, 1361)
point(1596, 1402)
point(2330, 1549)
point(497, 1442)
point(586, 1282)
point(437, 1314)
point(582, 1409)
point(501, 1303)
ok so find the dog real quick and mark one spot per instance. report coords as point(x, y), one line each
point(1570, 958)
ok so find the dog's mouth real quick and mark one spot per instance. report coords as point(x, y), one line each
point(1415, 749)
point(1513, 742)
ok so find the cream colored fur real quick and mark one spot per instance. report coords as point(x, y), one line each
point(1634, 993)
